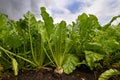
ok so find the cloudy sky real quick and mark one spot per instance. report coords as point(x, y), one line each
point(67, 10)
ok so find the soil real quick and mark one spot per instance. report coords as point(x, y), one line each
point(43, 74)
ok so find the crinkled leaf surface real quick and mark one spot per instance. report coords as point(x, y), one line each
point(70, 63)
point(109, 73)
point(92, 57)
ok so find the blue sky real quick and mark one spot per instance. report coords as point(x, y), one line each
point(67, 10)
point(73, 7)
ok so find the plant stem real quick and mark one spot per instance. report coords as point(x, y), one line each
point(31, 45)
point(6, 51)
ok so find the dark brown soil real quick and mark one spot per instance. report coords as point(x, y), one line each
point(78, 74)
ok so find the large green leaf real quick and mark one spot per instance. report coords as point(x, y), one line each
point(108, 73)
point(59, 37)
point(48, 21)
point(92, 58)
point(70, 63)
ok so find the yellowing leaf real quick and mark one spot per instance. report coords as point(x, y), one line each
point(15, 66)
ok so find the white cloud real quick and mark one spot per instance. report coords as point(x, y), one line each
point(61, 12)
point(58, 9)
point(103, 9)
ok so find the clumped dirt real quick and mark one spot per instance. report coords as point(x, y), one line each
point(42, 74)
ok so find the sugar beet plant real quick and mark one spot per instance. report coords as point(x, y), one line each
point(84, 31)
point(34, 44)
point(59, 45)
point(21, 41)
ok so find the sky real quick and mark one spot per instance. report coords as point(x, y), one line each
point(67, 10)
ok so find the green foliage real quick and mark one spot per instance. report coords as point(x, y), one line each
point(31, 43)
point(92, 59)
point(84, 30)
point(17, 40)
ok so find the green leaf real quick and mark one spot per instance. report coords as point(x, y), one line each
point(95, 47)
point(37, 38)
point(59, 37)
point(30, 20)
point(48, 21)
point(15, 66)
point(70, 63)
point(109, 73)
point(91, 58)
